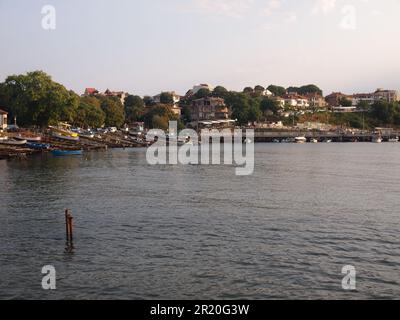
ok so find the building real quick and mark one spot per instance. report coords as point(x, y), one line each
point(91, 92)
point(118, 94)
point(316, 100)
point(3, 119)
point(334, 98)
point(363, 97)
point(386, 95)
point(209, 109)
point(294, 100)
point(108, 93)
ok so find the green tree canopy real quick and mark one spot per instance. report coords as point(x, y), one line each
point(220, 92)
point(304, 90)
point(269, 105)
point(277, 90)
point(166, 98)
point(202, 93)
point(114, 111)
point(89, 115)
point(134, 108)
point(35, 99)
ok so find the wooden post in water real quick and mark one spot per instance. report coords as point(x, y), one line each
point(69, 226)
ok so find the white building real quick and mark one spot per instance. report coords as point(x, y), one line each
point(3, 119)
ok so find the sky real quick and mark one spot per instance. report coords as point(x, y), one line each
point(147, 46)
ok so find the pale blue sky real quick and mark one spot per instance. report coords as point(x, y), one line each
point(148, 46)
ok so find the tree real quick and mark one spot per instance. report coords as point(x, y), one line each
point(248, 90)
point(269, 105)
point(35, 99)
point(304, 90)
point(114, 111)
point(166, 98)
point(345, 102)
point(134, 108)
point(89, 115)
point(164, 115)
point(148, 101)
point(202, 93)
point(277, 90)
point(220, 92)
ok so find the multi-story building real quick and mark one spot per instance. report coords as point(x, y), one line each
point(316, 100)
point(363, 97)
point(3, 119)
point(335, 98)
point(209, 109)
point(294, 100)
point(386, 95)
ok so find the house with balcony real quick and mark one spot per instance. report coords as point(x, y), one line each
point(209, 109)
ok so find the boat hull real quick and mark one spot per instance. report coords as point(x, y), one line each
point(63, 137)
point(61, 153)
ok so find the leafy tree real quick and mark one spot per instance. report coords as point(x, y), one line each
point(269, 105)
point(202, 93)
point(89, 115)
point(114, 111)
point(248, 90)
point(134, 108)
point(166, 98)
point(220, 92)
point(148, 101)
point(164, 114)
point(304, 90)
point(345, 102)
point(35, 99)
point(277, 90)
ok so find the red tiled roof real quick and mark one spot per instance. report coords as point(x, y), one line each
point(3, 112)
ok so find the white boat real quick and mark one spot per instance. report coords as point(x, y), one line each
point(300, 139)
point(394, 139)
point(314, 141)
point(247, 141)
point(13, 142)
point(377, 140)
point(28, 138)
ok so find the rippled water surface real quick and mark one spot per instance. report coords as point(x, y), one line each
point(183, 232)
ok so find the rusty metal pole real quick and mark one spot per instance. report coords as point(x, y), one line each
point(67, 224)
point(70, 224)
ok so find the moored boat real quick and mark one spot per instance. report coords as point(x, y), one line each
point(60, 153)
point(38, 146)
point(28, 138)
point(12, 142)
point(300, 139)
point(64, 133)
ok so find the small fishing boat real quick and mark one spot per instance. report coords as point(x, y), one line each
point(377, 139)
point(314, 141)
point(63, 133)
point(12, 142)
point(248, 141)
point(396, 139)
point(300, 139)
point(28, 138)
point(38, 146)
point(60, 153)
